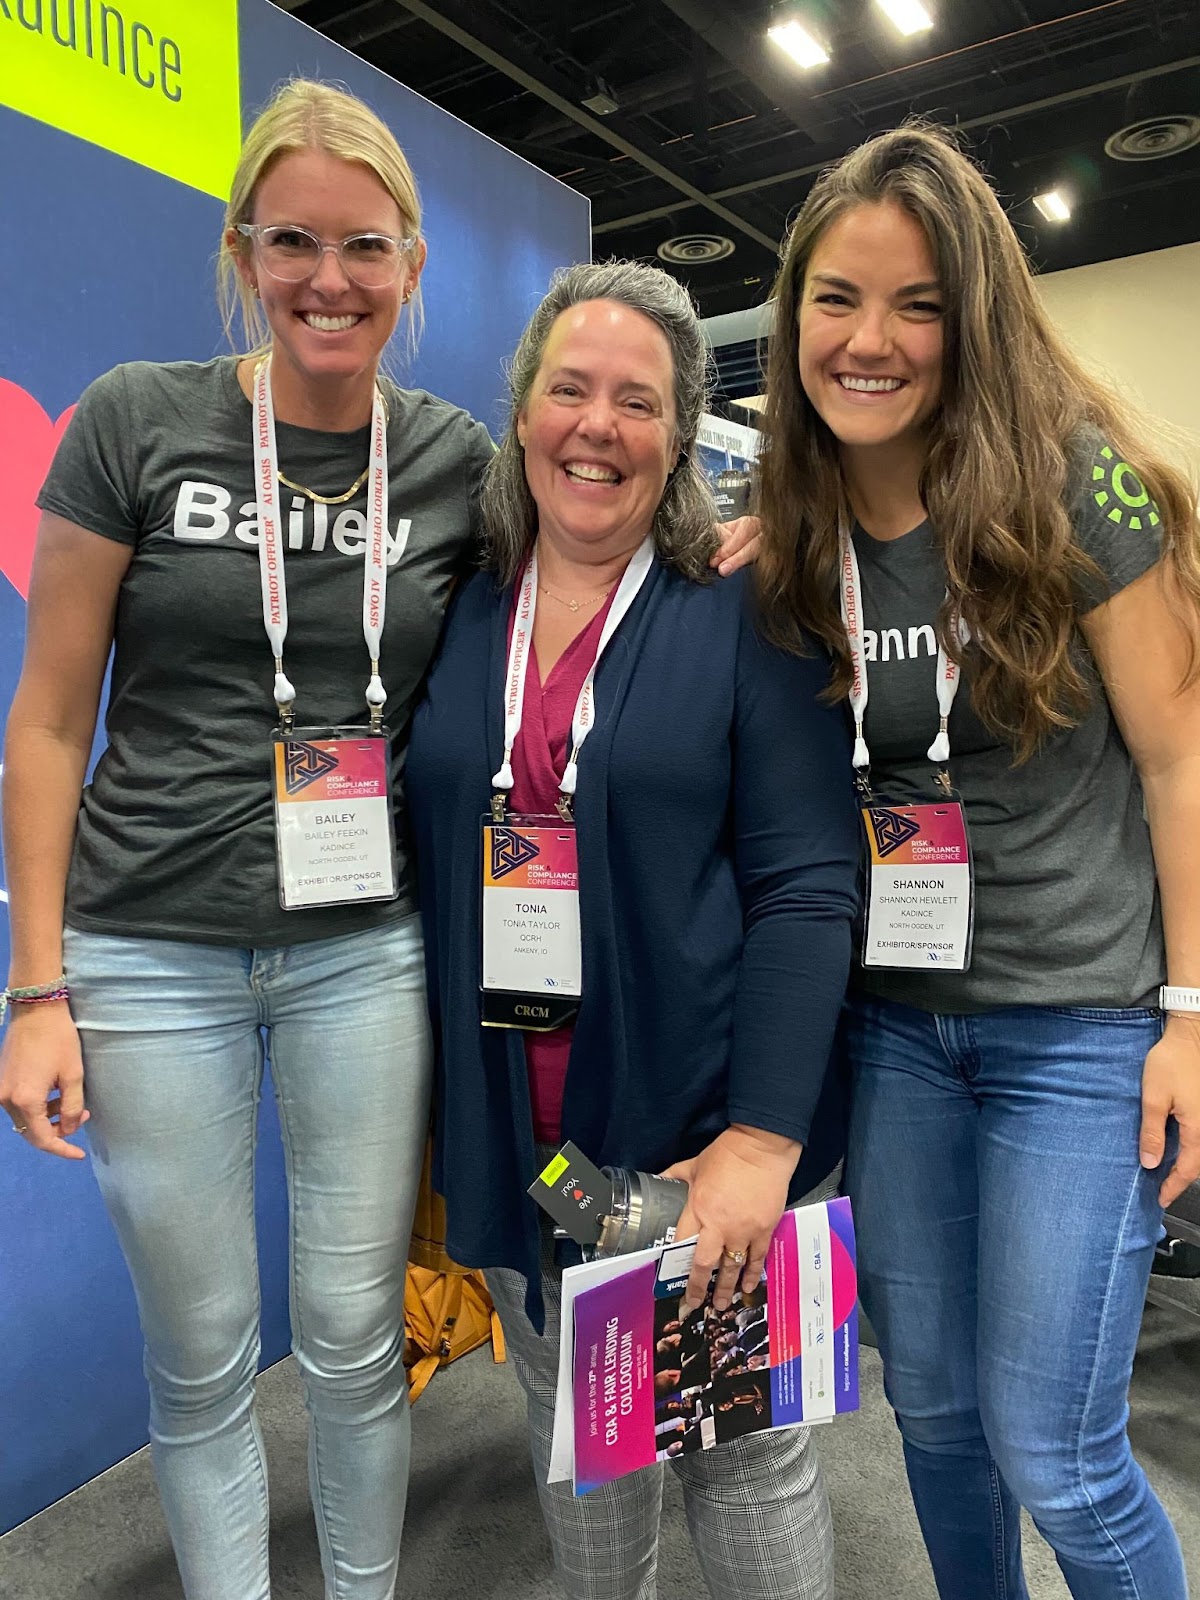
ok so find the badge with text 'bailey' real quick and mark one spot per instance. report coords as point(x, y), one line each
point(334, 837)
point(532, 958)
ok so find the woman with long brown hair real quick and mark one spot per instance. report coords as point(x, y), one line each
point(948, 494)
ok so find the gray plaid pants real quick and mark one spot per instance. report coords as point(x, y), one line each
point(756, 1507)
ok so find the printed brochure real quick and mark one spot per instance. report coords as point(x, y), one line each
point(640, 1383)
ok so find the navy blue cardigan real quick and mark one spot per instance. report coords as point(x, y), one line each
point(717, 859)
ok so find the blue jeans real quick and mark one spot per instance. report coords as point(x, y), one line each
point(1005, 1234)
point(173, 1059)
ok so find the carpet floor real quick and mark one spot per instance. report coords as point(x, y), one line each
point(473, 1523)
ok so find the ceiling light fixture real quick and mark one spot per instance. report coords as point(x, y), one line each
point(1053, 205)
point(798, 43)
point(909, 16)
point(600, 100)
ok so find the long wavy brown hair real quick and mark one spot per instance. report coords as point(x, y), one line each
point(1002, 454)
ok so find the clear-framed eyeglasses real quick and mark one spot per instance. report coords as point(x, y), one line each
point(291, 254)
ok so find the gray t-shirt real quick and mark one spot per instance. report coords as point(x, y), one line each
point(176, 833)
point(1066, 902)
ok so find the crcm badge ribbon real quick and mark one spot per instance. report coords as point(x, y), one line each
point(152, 80)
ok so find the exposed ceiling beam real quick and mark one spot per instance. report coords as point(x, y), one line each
point(1002, 115)
point(662, 91)
point(468, 28)
point(361, 36)
point(733, 41)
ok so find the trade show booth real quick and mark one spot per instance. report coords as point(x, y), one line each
point(120, 126)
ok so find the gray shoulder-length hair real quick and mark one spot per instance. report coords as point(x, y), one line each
point(685, 523)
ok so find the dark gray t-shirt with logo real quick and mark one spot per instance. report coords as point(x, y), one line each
point(1066, 903)
point(176, 832)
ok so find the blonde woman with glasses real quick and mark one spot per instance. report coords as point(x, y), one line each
point(178, 910)
point(267, 542)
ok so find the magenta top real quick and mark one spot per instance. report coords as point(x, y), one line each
point(538, 761)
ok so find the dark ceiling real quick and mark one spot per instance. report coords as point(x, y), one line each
point(717, 134)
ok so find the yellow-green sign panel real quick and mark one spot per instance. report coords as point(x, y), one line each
point(153, 80)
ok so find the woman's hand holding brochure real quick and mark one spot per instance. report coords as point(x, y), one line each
point(737, 1191)
point(645, 1375)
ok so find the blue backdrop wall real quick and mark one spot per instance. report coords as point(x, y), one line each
point(105, 260)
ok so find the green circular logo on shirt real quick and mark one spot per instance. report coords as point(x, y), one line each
point(1120, 494)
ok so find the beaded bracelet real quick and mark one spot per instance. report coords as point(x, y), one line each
point(35, 994)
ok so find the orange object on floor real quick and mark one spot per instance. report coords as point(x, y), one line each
point(447, 1309)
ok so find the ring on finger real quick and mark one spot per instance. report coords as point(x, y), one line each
point(738, 1257)
point(20, 1127)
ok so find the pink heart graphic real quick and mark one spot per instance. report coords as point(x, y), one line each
point(28, 440)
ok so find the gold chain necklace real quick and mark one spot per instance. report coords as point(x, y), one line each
point(573, 605)
point(327, 499)
point(336, 499)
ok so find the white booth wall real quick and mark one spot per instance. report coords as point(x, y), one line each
point(1137, 320)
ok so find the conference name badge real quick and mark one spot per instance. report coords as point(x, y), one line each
point(334, 837)
point(920, 895)
point(532, 972)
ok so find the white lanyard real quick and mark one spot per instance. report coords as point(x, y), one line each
point(947, 670)
point(518, 662)
point(270, 542)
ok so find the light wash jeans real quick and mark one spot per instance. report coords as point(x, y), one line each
point(1005, 1231)
point(173, 1054)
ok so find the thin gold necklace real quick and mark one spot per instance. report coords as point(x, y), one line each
point(335, 499)
point(573, 605)
point(327, 499)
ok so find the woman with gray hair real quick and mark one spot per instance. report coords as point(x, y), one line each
point(662, 985)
